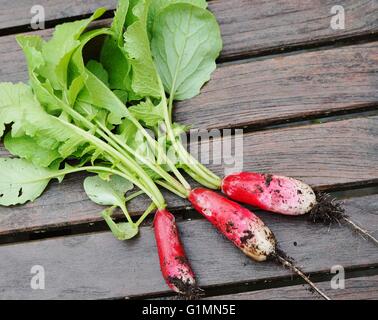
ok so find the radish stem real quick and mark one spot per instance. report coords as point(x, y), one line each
point(151, 208)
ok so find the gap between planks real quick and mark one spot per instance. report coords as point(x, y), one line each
point(277, 90)
point(285, 288)
point(345, 157)
point(97, 266)
point(248, 27)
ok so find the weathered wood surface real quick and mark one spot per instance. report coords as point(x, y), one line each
point(286, 87)
point(18, 13)
point(361, 288)
point(271, 90)
point(248, 26)
point(98, 266)
point(325, 155)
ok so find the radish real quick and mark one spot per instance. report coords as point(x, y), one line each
point(173, 262)
point(238, 224)
point(244, 229)
point(286, 196)
point(269, 192)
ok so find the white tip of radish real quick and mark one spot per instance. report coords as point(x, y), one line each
point(306, 198)
point(262, 245)
point(289, 196)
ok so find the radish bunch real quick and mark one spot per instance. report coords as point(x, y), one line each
point(100, 114)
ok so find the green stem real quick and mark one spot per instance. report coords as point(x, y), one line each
point(126, 213)
point(134, 195)
point(145, 214)
point(117, 232)
point(90, 126)
point(200, 179)
point(173, 190)
point(148, 186)
point(117, 143)
point(195, 166)
point(154, 144)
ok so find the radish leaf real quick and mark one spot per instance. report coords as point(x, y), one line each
point(98, 70)
point(158, 5)
point(108, 193)
point(148, 113)
point(27, 148)
point(145, 80)
point(122, 231)
point(22, 181)
point(185, 43)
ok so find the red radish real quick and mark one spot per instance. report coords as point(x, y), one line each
point(269, 192)
point(173, 262)
point(237, 223)
point(244, 229)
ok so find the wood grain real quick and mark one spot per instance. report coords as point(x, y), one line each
point(269, 91)
point(98, 266)
point(329, 155)
point(248, 26)
point(361, 288)
point(18, 13)
point(258, 93)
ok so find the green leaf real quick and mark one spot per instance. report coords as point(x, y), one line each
point(158, 5)
point(148, 113)
point(122, 231)
point(31, 46)
point(14, 98)
point(99, 71)
point(110, 193)
point(113, 56)
point(22, 181)
point(145, 80)
point(98, 94)
point(116, 64)
point(57, 52)
point(127, 131)
point(119, 21)
point(121, 95)
point(28, 148)
point(185, 44)
point(128, 230)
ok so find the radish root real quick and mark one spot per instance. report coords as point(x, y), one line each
point(360, 230)
point(328, 210)
point(287, 262)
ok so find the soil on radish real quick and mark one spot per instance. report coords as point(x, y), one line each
point(280, 253)
point(268, 179)
point(182, 259)
point(327, 210)
point(248, 235)
point(190, 291)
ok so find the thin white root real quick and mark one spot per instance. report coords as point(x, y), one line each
point(359, 229)
point(292, 267)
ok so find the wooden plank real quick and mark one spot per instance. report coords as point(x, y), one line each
point(325, 155)
point(268, 91)
point(361, 288)
point(98, 266)
point(258, 93)
point(18, 13)
point(248, 26)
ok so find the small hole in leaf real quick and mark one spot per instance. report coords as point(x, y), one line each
point(20, 192)
point(295, 243)
point(1, 195)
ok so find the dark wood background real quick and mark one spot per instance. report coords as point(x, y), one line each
point(307, 98)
